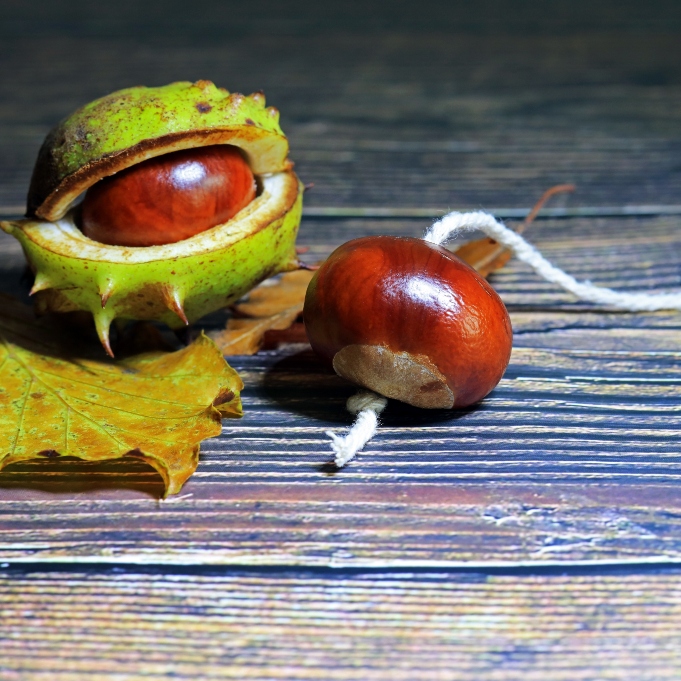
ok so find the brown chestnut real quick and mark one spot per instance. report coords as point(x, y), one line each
point(168, 198)
point(409, 320)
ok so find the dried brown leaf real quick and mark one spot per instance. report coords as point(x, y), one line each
point(274, 305)
point(484, 255)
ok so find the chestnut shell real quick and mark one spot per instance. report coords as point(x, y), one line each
point(168, 198)
point(410, 296)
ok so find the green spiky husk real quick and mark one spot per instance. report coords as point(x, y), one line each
point(174, 283)
point(170, 290)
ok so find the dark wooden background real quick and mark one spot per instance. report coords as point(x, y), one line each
point(536, 536)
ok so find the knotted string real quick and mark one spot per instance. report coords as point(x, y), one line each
point(450, 226)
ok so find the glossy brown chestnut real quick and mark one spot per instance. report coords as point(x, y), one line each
point(409, 320)
point(168, 198)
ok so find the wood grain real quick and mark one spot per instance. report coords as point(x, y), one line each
point(574, 457)
point(501, 525)
point(397, 118)
point(68, 626)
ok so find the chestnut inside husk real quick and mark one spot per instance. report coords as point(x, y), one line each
point(168, 198)
point(175, 282)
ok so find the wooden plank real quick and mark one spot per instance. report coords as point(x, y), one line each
point(573, 458)
point(68, 626)
point(496, 172)
point(217, 22)
point(424, 120)
point(433, 213)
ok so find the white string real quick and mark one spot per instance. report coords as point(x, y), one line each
point(367, 406)
point(455, 223)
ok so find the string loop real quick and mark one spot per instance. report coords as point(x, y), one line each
point(455, 223)
point(368, 405)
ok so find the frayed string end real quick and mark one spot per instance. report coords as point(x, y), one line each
point(367, 405)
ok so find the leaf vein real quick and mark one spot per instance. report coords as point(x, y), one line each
point(21, 416)
point(35, 378)
point(135, 413)
point(43, 372)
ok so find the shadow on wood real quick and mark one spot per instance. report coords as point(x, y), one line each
point(305, 374)
point(69, 475)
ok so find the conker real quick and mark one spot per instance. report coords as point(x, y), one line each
point(409, 320)
point(168, 198)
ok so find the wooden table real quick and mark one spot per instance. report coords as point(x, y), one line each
point(536, 536)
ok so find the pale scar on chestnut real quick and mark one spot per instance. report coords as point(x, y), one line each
point(399, 375)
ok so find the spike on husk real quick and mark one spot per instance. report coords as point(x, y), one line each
point(103, 324)
point(42, 282)
point(258, 98)
point(105, 291)
point(173, 299)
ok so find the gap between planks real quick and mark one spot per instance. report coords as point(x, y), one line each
point(193, 560)
point(342, 212)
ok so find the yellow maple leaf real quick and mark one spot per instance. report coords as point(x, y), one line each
point(157, 406)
